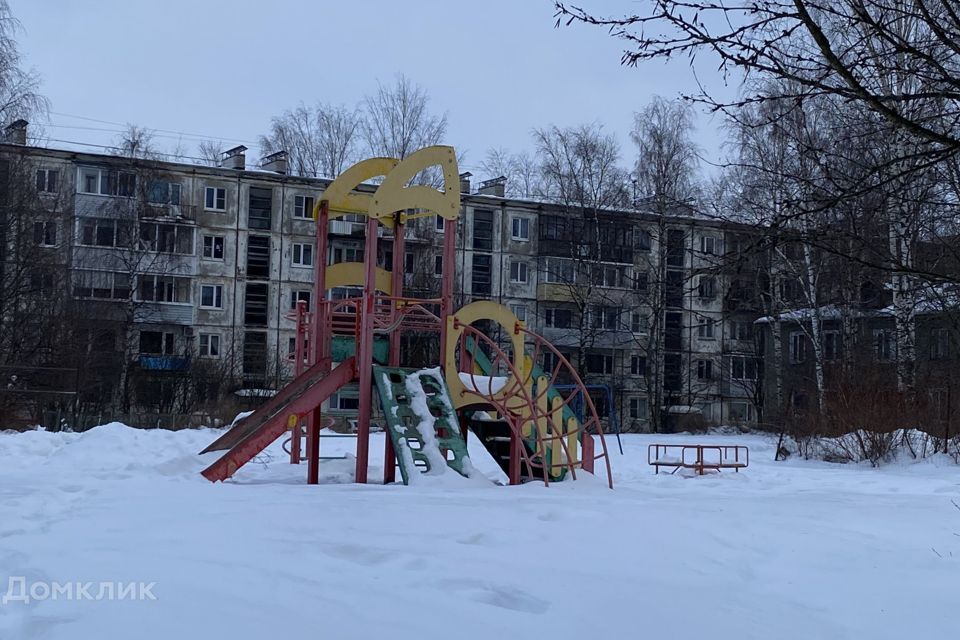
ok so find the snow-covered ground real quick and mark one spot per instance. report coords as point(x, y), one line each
point(782, 550)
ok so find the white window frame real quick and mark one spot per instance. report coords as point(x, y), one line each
point(550, 317)
point(706, 329)
point(635, 360)
point(704, 369)
point(212, 347)
point(798, 347)
point(300, 209)
point(639, 323)
point(212, 256)
point(708, 245)
point(522, 269)
point(519, 310)
point(439, 223)
point(297, 253)
point(748, 413)
point(744, 360)
point(219, 193)
point(296, 295)
point(46, 172)
point(520, 228)
point(638, 408)
point(563, 273)
point(217, 295)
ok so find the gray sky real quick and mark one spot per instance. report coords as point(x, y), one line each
point(221, 69)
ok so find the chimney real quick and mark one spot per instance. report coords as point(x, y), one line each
point(235, 158)
point(275, 162)
point(495, 187)
point(16, 132)
point(465, 183)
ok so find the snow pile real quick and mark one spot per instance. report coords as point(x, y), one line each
point(486, 385)
point(792, 550)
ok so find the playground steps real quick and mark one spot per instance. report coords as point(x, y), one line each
point(421, 421)
point(257, 431)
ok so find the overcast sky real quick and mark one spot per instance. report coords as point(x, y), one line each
point(221, 69)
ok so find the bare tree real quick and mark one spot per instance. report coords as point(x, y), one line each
point(19, 88)
point(320, 140)
point(397, 120)
point(136, 142)
point(520, 170)
point(211, 152)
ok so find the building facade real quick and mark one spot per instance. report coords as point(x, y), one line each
point(176, 283)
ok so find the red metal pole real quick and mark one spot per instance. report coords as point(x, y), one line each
point(321, 337)
point(364, 341)
point(398, 267)
point(298, 357)
point(587, 453)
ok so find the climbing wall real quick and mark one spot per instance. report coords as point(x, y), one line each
point(421, 422)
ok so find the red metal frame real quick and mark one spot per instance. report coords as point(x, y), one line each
point(659, 455)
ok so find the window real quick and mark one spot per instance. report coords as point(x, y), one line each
point(639, 322)
point(303, 207)
point(156, 343)
point(103, 232)
point(885, 344)
point(743, 368)
point(708, 245)
point(258, 256)
point(520, 311)
point(159, 192)
point(939, 344)
point(166, 238)
point(152, 288)
point(48, 180)
point(518, 272)
point(551, 361)
point(705, 328)
point(107, 182)
point(641, 239)
point(704, 369)
point(209, 345)
point(607, 275)
point(707, 287)
point(641, 281)
point(741, 330)
point(740, 412)
point(437, 265)
point(798, 347)
point(638, 365)
point(637, 408)
point(604, 317)
point(439, 223)
point(102, 285)
point(353, 254)
point(215, 199)
point(213, 247)
point(302, 254)
point(260, 208)
point(558, 270)
point(790, 289)
point(302, 295)
point(480, 281)
point(831, 345)
point(599, 363)
point(45, 234)
point(211, 296)
point(520, 229)
point(483, 229)
point(558, 318)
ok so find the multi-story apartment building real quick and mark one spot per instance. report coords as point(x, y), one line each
point(184, 277)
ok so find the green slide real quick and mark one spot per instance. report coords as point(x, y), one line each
point(421, 422)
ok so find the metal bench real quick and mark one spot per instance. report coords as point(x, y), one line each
point(699, 457)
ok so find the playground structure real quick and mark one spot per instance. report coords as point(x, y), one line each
point(526, 423)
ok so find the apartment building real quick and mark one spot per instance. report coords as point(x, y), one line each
point(190, 273)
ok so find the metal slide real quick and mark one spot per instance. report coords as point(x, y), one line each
point(421, 421)
point(256, 432)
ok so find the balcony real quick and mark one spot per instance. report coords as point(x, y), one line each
point(164, 363)
point(181, 212)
